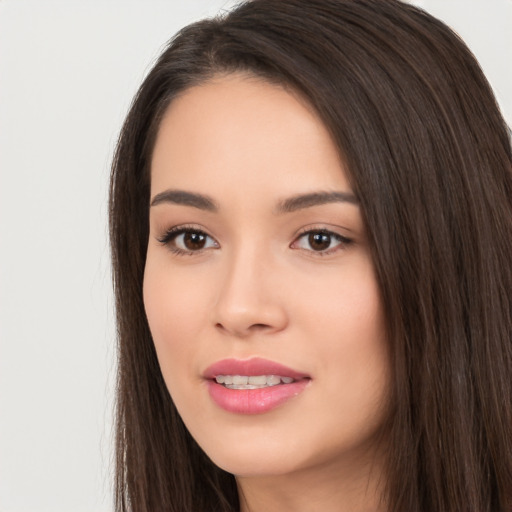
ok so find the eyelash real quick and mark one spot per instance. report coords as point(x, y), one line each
point(170, 236)
point(168, 239)
point(343, 241)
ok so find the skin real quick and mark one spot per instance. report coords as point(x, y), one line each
point(259, 288)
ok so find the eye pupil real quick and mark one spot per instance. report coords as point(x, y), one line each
point(319, 241)
point(194, 241)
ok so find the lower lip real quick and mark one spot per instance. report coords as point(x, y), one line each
point(254, 401)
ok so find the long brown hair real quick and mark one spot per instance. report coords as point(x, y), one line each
point(429, 158)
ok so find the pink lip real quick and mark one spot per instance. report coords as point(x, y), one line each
point(251, 367)
point(253, 401)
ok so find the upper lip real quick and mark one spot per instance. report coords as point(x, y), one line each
point(251, 367)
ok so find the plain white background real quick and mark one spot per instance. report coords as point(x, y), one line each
point(68, 71)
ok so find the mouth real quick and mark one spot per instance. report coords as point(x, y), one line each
point(255, 371)
point(252, 381)
point(253, 386)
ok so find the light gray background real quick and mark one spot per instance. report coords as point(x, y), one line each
point(68, 71)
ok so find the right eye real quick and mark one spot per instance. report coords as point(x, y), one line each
point(183, 240)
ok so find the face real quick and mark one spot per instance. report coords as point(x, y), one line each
point(259, 287)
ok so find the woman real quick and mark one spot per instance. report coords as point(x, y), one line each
point(311, 230)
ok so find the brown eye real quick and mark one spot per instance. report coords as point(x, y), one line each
point(319, 241)
point(194, 241)
point(187, 240)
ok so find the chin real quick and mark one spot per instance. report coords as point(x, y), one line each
point(253, 453)
point(250, 465)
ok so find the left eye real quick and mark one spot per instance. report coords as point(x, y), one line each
point(320, 241)
point(193, 241)
point(187, 240)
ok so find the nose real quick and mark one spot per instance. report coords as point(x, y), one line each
point(250, 300)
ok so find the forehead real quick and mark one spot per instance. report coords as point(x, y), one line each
point(246, 133)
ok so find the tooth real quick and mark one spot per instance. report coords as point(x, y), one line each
point(273, 380)
point(258, 380)
point(240, 380)
point(252, 382)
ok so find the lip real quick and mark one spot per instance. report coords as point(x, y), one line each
point(251, 367)
point(253, 401)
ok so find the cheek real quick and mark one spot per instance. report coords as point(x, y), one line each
point(345, 308)
point(174, 298)
point(175, 309)
point(347, 323)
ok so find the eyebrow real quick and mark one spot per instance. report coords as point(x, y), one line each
point(291, 204)
point(186, 199)
point(301, 201)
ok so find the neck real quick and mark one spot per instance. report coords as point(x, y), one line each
point(340, 487)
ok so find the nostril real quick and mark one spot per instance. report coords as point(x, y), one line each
point(258, 327)
point(247, 330)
